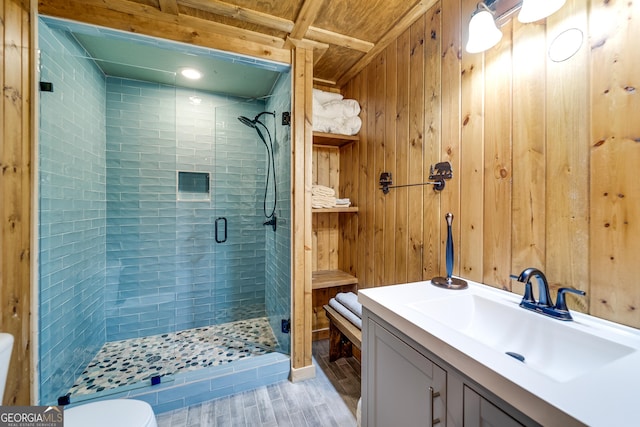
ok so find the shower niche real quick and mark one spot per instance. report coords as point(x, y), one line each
point(143, 290)
point(194, 186)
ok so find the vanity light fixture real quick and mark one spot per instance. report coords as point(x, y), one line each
point(483, 31)
point(535, 10)
point(191, 73)
point(490, 15)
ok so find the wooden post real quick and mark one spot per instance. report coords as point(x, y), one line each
point(15, 194)
point(302, 64)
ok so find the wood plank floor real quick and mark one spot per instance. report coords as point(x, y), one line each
point(330, 399)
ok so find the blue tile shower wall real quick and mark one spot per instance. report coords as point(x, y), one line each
point(165, 270)
point(278, 260)
point(141, 209)
point(72, 222)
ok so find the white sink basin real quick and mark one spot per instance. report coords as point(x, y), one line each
point(554, 348)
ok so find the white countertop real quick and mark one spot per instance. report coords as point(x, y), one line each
point(605, 396)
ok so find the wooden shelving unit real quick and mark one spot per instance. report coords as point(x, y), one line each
point(328, 279)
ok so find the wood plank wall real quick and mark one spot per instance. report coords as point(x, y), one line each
point(15, 194)
point(545, 156)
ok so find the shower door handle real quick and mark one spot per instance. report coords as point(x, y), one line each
point(218, 220)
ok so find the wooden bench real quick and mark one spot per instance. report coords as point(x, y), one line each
point(345, 339)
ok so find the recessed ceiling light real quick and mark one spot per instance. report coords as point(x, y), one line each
point(191, 73)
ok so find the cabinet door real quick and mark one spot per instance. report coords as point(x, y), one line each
point(404, 388)
point(478, 411)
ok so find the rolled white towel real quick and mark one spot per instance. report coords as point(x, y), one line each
point(344, 311)
point(337, 109)
point(342, 108)
point(324, 96)
point(350, 300)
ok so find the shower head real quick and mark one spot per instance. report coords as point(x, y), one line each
point(252, 123)
point(247, 121)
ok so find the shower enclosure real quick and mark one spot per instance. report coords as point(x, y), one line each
point(154, 260)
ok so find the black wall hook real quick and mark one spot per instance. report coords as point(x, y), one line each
point(438, 174)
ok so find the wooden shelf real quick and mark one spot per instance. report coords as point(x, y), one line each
point(337, 209)
point(321, 138)
point(331, 278)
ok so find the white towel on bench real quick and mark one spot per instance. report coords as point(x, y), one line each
point(346, 313)
point(350, 300)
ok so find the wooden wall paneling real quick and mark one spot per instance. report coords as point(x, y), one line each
point(389, 144)
point(347, 241)
point(349, 183)
point(301, 298)
point(401, 168)
point(567, 163)
point(370, 177)
point(334, 182)
point(615, 156)
point(496, 253)
point(378, 144)
point(315, 218)
point(415, 151)
point(432, 219)
point(471, 157)
point(361, 82)
point(529, 147)
point(15, 194)
point(451, 66)
point(322, 228)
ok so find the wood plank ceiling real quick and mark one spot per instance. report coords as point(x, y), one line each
point(345, 35)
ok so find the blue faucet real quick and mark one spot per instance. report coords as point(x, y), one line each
point(544, 305)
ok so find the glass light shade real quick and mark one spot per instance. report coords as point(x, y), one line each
point(483, 32)
point(535, 10)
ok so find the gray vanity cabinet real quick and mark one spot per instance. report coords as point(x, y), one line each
point(408, 389)
point(479, 412)
point(404, 384)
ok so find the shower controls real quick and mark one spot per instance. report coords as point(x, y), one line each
point(286, 325)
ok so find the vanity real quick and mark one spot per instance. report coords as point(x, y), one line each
point(472, 357)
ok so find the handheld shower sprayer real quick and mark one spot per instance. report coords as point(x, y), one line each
point(271, 165)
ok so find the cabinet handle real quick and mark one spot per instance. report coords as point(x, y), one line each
point(433, 394)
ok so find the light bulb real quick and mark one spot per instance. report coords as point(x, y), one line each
point(535, 10)
point(483, 32)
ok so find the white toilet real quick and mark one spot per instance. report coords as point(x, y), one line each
point(105, 413)
point(109, 413)
point(6, 345)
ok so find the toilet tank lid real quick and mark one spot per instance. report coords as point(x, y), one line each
point(109, 413)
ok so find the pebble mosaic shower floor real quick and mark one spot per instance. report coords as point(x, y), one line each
point(121, 363)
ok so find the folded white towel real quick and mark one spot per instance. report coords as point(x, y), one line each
point(322, 201)
point(345, 312)
point(321, 190)
point(350, 300)
point(342, 109)
point(343, 202)
point(342, 126)
point(323, 96)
